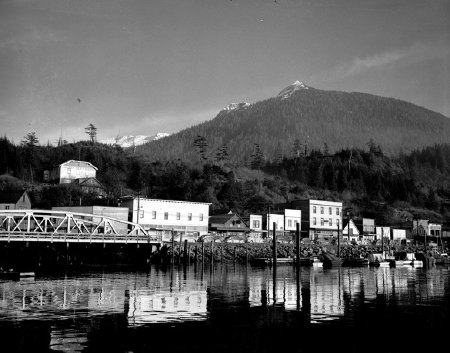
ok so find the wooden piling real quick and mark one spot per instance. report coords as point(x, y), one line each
point(297, 243)
point(186, 254)
point(212, 251)
point(203, 251)
point(274, 268)
point(173, 247)
point(274, 245)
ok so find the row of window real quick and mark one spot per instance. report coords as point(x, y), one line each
point(322, 210)
point(323, 221)
point(177, 216)
point(256, 223)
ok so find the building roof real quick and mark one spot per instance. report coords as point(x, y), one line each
point(223, 218)
point(131, 197)
point(75, 163)
point(83, 181)
point(10, 196)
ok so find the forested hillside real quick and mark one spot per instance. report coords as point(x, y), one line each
point(390, 188)
point(310, 119)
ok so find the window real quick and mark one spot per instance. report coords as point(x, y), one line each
point(321, 222)
point(255, 224)
point(314, 209)
point(69, 171)
point(189, 216)
point(337, 211)
point(201, 216)
point(314, 221)
point(153, 214)
point(289, 222)
point(330, 211)
point(178, 216)
point(166, 215)
point(321, 210)
point(330, 222)
point(6, 207)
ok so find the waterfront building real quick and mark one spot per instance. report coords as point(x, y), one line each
point(255, 223)
point(120, 213)
point(14, 200)
point(398, 234)
point(278, 220)
point(291, 219)
point(366, 227)
point(320, 219)
point(383, 232)
point(160, 217)
point(228, 225)
point(350, 231)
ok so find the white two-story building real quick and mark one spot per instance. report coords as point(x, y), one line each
point(321, 219)
point(165, 216)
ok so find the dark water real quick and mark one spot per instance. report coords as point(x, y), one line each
point(229, 309)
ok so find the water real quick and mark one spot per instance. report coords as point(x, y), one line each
point(230, 308)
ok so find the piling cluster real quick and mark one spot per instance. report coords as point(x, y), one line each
point(243, 252)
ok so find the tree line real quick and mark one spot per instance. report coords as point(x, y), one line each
point(365, 178)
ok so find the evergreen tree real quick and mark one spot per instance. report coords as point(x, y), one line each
point(30, 140)
point(201, 144)
point(91, 131)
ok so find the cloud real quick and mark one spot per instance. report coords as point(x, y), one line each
point(30, 40)
point(417, 53)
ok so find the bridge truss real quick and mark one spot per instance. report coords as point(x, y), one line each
point(62, 226)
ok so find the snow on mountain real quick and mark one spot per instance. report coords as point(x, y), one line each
point(130, 140)
point(289, 90)
point(236, 106)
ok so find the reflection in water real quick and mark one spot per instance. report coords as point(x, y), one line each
point(96, 309)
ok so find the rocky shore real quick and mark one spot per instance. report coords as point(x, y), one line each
point(241, 252)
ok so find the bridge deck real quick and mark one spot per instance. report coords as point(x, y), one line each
point(77, 238)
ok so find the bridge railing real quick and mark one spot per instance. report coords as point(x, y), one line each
point(57, 224)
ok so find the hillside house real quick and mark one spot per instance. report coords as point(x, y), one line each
point(72, 170)
point(77, 172)
point(14, 200)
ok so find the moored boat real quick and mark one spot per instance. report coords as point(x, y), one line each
point(316, 263)
point(378, 260)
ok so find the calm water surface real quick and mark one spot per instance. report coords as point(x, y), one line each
point(229, 308)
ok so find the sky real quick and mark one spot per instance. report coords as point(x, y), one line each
point(139, 67)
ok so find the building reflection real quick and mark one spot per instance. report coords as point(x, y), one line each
point(194, 293)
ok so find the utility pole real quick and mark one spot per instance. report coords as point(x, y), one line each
point(138, 207)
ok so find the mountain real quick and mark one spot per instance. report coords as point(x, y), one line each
point(303, 116)
point(130, 141)
point(289, 90)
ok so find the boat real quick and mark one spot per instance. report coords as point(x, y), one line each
point(412, 261)
point(316, 263)
point(269, 260)
point(378, 260)
point(15, 275)
point(442, 259)
point(330, 260)
point(355, 262)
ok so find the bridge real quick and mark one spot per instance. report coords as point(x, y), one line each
point(70, 227)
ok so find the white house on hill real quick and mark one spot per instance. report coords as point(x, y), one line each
point(72, 170)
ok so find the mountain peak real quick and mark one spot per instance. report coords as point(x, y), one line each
point(289, 90)
point(236, 106)
point(133, 140)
